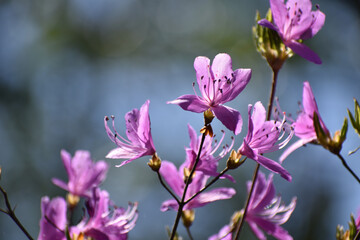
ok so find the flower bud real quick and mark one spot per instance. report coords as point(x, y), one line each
point(234, 160)
point(187, 217)
point(72, 200)
point(155, 162)
point(208, 116)
point(187, 175)
point(269, 44)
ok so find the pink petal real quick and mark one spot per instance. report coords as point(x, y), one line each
point(169, 204)
point(229, 117)
point(258, 116)
point(256, 230)
point(60, 184)
point(212, 196)
point(144, 123)
point(203, 74)
point(309, 102)
point(273, 166)
point(242, 77)
point(304, 51)
point(171, 175)
point(191, 103)
point(279, 13)
point(222, 66)
point(295, 28)
point(267, 24)
point(317, 24)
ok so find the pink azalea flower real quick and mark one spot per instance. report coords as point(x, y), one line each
point(104, 224)
point(101, 223)
point(218, 84)
point(262, 137)
point(83, 173)
point(294, 21)
point(53, 219)
point(138, 131)
point(304, 125)
point(175, 179)
point(265, 210)
point(208, 163)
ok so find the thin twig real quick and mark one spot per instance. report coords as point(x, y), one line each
point(166, 187)
point(10, 212)
point(347, 167)
point(188, 181)
point(208, 185)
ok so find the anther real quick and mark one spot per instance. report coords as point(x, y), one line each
point(202, 77)
point(106, 118)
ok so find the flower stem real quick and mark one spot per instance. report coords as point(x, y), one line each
point(188, 181)
point(189, 233)
point(167, 189)
point(208, 185)
point(10, 212)
point(242, 220)
point(268, 115)
point(347, 167)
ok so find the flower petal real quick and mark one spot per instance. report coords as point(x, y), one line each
point(203, 74)
point(279, 13)
point(169, 204)
point(171, 175)
point(191, 103)
point(211, 196)
point(242, 77)
point(267, 24)
point(304, 51)
point(229, 117)
point(222, 66)
point(273, 166)
point(317, 24)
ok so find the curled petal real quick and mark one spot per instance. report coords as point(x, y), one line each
point(273, 166)
point(190, 103)
point(267, 24)
point(229, 117)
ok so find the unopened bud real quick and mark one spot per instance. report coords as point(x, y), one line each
point(188, 217)
point(234, 160)
point(72, 200)
point(187, 175)
point(236, 217)
point(208, 116)
point(155, 162)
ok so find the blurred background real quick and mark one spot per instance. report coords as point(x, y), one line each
point(66, 64)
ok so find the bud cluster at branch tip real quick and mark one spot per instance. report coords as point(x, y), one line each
point(155, 162)
point(269, 44)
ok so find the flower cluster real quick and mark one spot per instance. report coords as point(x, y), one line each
point(102, 221)
point(287, 24)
